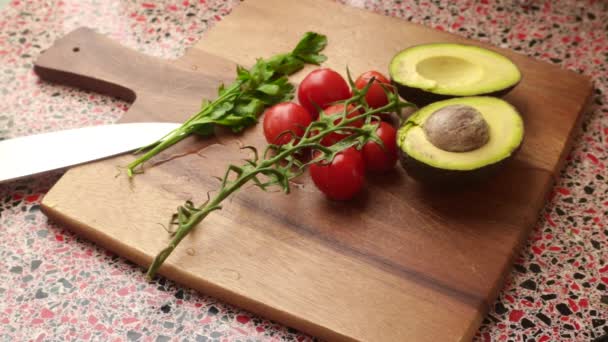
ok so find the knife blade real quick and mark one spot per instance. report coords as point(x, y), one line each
point(29, 155)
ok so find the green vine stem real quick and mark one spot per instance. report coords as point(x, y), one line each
point(280, 164)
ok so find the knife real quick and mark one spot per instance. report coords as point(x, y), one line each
point(25, 156)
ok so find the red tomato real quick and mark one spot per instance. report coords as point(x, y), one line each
point(284, 117)
point(341, 179)
point(334, 137)
point(375, 97)
point(376, 158)
point(322, 87)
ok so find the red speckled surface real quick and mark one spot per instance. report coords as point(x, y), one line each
point(56, 286)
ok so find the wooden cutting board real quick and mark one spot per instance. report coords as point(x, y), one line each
point(398, 263)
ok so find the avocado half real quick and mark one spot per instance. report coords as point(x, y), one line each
point(426, 162)
point(433, 72)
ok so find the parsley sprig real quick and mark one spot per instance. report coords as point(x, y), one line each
point(281, 163)
point(239, 104)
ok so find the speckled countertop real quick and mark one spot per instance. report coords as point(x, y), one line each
point(57, 286)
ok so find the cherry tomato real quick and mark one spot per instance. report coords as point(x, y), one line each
point(341, 179)
point(334, 137)
point(322, 87)
point(376, 158)
point(375, 97)
point(284, 117)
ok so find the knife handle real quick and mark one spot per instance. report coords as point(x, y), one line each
point(89, 60)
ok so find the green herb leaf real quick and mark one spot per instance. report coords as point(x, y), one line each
point(245, 107)
point(203, 129)
point(239, 104)
point(270, 89)
point(309, 47)
point(241, 74)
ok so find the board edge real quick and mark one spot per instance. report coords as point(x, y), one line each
point(189, 280)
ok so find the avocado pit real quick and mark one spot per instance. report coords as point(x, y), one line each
point(459, 141)
point(457, 128)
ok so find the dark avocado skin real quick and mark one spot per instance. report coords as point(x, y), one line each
point(437, 177)
point(422, 98)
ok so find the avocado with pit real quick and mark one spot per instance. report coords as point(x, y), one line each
point(433, 72)
point(459, 141)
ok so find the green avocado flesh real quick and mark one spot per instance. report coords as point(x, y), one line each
point(453, 70)
point(506, 132)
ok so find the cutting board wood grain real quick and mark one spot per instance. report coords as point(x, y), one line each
point(398, 263)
